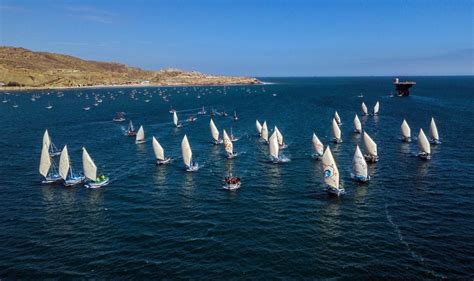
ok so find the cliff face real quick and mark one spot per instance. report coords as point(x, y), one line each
point(22, 67)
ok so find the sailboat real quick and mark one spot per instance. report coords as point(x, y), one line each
point(337, 118)
point(176, 123)
point(318, 148)
point(53, 150)
point(281, 143)
point(160, 153)
point(258, 126)
point(214, 133)
point(90, 171)
point(357, 125)
point(235, 116)
point(364, 109)
point(202, 112)
point(47, 167)
point(232, 137)
point(370, 149)
point(376, 108)
point(228, 146)
point(336, 132)
point(434, 137)
point(65, 170)
point(424, 149)
point(405, 131)
point(191, 166)
point(131, 130)
point(264, 132)
point(274, 148)
point(359, 167)
point(140, 137)
point(331, 173)
point(119, 116)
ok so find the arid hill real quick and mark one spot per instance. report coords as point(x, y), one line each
point(20, 67)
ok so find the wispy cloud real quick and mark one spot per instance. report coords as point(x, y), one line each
point(93, 14)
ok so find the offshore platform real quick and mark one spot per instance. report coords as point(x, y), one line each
point(402, 87)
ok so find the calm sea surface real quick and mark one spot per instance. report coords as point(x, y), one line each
point(415, 219)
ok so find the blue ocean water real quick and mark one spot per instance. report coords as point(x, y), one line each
point(413, 220)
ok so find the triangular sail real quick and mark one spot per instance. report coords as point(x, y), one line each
point(214, 130)
point(370, 145)
point(46, 139)
point(158, 150)
point(317, 145)
point(64, 164)
point(45, 161)
point(264, 132)
point(228, 146)
point(330, 171)
point(140, 135)
point(88, 165)
point(405, 129)
point(258, 126)
point(376, 108)
point(359, 166)
point(186, 150)
point(364, 109)
point(357, 124)
point(433, 130)
point(336, 132)
point(338, 119)
point(273, 146)
point(279, 136)
point(175, 118)
point(423, 143)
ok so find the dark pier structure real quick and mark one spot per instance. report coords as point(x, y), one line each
point(402, 87)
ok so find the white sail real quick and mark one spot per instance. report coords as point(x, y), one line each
point(228, 146)
point(317, 145)
point(357, 124)
point(45, 161)
point(158, 150)
point(423, 143)
point(364, 109)
point(258, 126)
point(140, 135)
point(88, 165)
point(336, 132)
point(370, 145)
point(186, 150)
point(338, 119)
point(273, 146)
point(264, 132)
point(175, 118)
point(64, 164)
point(376, 108)
point(405, 130)
point(359, 166)
point(46, 139)
point(279, 136)
point(433, 130)
point(214, 131)
point(330, 171)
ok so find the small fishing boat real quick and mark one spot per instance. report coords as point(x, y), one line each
point(214, 133)
point(49, 106)
point(53, 150)
point(359, 167)
point(228, 146)
point(434, 136)
point(119, 117)
point(337, 118)
point(191, 166)
point(235, 117)
point(231, 182)
point(65, 170)
point(258, 126)
point(223, 114)
point(376, 108)
point(318, 148)
point(4, 99)
point(131, 132)
point(86, 108)
point(48, 168)
point(405, 131)
point(331, 174)
point(357, 125)
point(264, 132)
point(336, 132)
point(370, 149)
point(15, 105)
point(140, 137)
point(202, 111)
point(364, 109)
point(281, 143)
point(191, 119)
point(176, 122)
point(90, 171)
point(424, 149)
point(160, 153)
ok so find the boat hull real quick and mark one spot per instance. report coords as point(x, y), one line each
point(231, 186)
point(163, 162)
point(98, 184)
point(192, 168)
point(74, 181)
point(335, 191)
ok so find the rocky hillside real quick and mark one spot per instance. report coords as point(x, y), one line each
point(20, 67)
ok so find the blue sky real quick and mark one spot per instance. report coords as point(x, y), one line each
point(257, 38)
